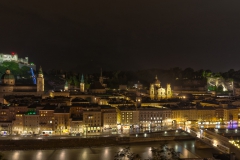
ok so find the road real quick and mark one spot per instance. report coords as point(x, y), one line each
point(132, 134)
point(216, 141)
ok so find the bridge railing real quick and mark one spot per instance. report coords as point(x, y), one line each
point(219, 143)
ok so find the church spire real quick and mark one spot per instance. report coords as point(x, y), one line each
point(156, 77)
point(101, 78)
point(66, 86)
point(82, 79)
point(40, 70)
point(82, 84)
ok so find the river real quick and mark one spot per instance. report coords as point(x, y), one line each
point(186, 148)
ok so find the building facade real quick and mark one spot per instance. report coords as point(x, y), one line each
point(157, 92)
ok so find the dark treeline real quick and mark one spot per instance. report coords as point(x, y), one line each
point(174, 76)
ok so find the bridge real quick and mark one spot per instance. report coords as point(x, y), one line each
point(214, 140)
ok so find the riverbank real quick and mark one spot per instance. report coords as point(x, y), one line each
point(47, 143)
point(186, 148)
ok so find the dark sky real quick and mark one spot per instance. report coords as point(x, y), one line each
point(119, 34)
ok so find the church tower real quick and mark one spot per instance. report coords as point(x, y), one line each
point(151, 90)
point(101, 78)
point(40, 81)
point(82, 84)
point(169, 91)
point(66, 86)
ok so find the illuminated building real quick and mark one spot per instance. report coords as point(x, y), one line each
point(40, 81)
point(182, 116)
point(206, 115)
point(17, 124)
point(8, 86)
point(109, 115)
point(76, 126)
point(129, 117)
point(46, 119)
point(216, 83)
point(5, 113)
point(31, 123)
point(151, 117)
point(62, 120)
point(92, 120)
point(157, 92)
point(14, 57)
point(5, 127)
point(82, 84)
point(66, 86)
point(231, 114)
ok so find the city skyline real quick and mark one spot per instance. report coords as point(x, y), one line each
point(82, 79)
point(124, 34)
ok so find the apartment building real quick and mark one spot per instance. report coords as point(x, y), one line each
point(151, 117)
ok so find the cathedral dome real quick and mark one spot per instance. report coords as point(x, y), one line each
point(156, 82)
point(8, 78)
point(7, 75)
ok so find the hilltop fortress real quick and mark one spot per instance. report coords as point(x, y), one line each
point(14, 57)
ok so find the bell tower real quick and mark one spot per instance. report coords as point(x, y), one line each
point(101, 77)
point(152, 91)
point(82, 84)
point(40, 81)
point(169, 91)
point(66, 86)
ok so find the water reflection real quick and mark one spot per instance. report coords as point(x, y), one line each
point(62, 155)
point(186, 148)
point(39, 155)
point(15, 155)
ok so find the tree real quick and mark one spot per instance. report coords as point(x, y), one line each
point(165, 153)
point(188, 73)
point(75, 81)
point(207, 73)
point(126, 154)
point(220, 88)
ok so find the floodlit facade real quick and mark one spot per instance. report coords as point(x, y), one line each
point(17, 124)
point(31, 123)
point(182, 116)
point(61, 122)
point(46, 121)
point(129, 117)
point(157, 92)
point(76, 126)
point(92, 121)
point(151, 117)
point(109, 117)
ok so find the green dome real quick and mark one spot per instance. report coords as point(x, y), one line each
point(8, 76)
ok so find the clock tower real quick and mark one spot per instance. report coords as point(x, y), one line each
point(40, 81)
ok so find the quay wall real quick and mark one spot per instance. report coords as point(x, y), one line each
point(47, 143)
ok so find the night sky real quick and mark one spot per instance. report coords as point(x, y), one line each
point(128, 35)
